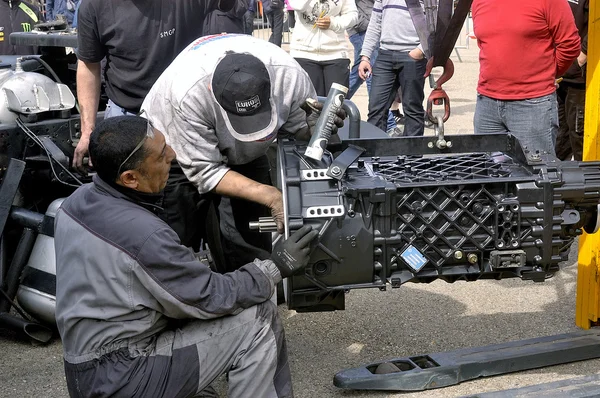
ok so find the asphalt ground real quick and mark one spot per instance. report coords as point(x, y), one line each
point(412, 320)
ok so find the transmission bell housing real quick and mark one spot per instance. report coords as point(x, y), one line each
point(392, 211)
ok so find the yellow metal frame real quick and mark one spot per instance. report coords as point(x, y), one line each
point(588, 275)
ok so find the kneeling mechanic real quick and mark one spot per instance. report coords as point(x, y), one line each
point(138, 314)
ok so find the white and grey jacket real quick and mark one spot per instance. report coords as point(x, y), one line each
point(316, 44)
point(392, 27)
point(122, 276)
point(182, 105)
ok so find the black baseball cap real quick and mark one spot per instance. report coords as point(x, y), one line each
point(242, 86)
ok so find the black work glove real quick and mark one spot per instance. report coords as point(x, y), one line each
point(291, 255)
point(313, 109)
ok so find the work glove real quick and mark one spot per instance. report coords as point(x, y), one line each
point(291, 255)
point(313, 109)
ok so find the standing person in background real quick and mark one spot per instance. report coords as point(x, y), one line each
point(273, 9)
point(231, 21)
point(17, 16)
point(400, 64)
point(75, 14)
point(249, 17)
point(357, 37)
point(522, 52)
point(138, 44)
point(571, 92)
point(61, 7)
point(319, 41)
point(291, 16)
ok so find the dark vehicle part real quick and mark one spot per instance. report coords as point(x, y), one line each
point(38, 132)
point(421, 214)
point(31, 330)
point(442, 369)
point(37, 290)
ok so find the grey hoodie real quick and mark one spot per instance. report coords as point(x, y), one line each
point(364, 7)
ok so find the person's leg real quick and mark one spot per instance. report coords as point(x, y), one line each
point(291, 19)
point(412, 83)
point(534, 122)
point(240, 244)
point(336, 71)
point(250, 346)
point(575, 108)
point(369, 80)
point(563, 141)
point(184, 209)
point(184, 360)
point(488, 116)
point(383, 88)
point(315, 72)
point(276, 21)
point(249, 22)
point(355, 80)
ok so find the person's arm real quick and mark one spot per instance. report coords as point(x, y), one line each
point(49, 10)
point(303, 88)
point(373, 34)
point(347, 17)
point(88, 95)
point(235, 185)
point(300, 5)
point(186, 288)
point(90, 51)
point(564, 33)
point(582, 58)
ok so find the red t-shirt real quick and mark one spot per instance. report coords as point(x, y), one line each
point(524, 45)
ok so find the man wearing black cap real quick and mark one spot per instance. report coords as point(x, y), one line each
point(221, 104)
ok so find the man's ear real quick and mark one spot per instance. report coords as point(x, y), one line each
point(129, 179)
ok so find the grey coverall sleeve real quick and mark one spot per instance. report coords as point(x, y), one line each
point(373, 34)
point(197, 148)
point(183, 287)
point(296, 121)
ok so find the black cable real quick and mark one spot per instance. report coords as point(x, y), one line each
point(15, 306)
point(45, 65)
point(35, 139)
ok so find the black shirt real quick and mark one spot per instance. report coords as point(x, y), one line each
point(139, 39)
point(17, 16)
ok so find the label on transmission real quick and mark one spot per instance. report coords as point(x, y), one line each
point(413, 257)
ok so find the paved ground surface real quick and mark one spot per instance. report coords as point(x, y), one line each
point(412, 320)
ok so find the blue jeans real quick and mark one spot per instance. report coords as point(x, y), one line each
point(113, 110)
point(357, 41)
point(533, 121)
point(396, 69)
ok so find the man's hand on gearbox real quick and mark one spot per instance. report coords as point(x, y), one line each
point(313, 109)
point(291, 255)
point(80, 152)
point(276, 206)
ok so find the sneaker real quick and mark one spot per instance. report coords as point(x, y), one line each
point(397, 131)
point(398, 117)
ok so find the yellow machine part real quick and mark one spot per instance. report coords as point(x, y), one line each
point(588, 274)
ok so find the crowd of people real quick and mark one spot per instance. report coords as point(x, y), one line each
point(190, 117)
